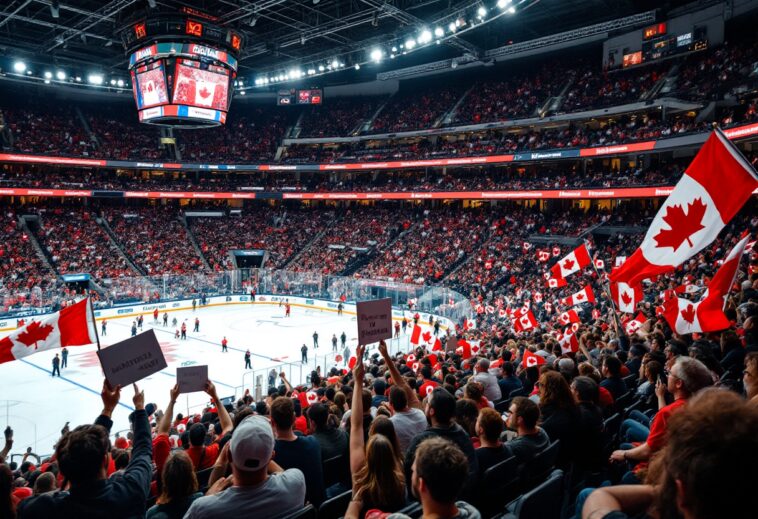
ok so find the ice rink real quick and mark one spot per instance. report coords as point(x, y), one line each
point(37, 405)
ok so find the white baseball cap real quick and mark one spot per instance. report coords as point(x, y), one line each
point(252, 444)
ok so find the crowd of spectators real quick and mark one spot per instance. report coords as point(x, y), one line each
point(634, 422)
point(338, 117)
point(76, 243)
point(283, 233)
point(155, 240)
point(352, 235)
point(24, 277)
point(120, 135)
point(413, 109)
point(46, 129)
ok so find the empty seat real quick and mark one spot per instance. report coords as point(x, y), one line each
point(335, 507)
point(500, 484)
point(544, 501)
point(309, 512)
point(535, 471)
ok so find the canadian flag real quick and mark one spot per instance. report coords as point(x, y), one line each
point(573, 262)
point(626, 297)
point(556, 282)
point(525, 322)
point(688, 288)
point(569, 343)
point(569, 317)
point(620, 260)
point(72, 326)
point(538, 297)
point(599, 264)
point(479, 309)
point(706, 315)
point(416, 335)
point(585, 295)
point(556, 251)
point(489, 309)
point(204, 93)
point(715, 186)
point(437, 345)
point(635, 324)
point(465, 348)
point(503, 313)
point(529, 360)
point(526, 246)
point(543, 256)
point(311, 397)
point(469, 324)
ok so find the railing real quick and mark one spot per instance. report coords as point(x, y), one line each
point(440, 301)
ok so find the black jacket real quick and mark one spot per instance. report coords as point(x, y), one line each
point(115, 498)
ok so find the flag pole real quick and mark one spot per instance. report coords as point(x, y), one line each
point(94, 322)
point(606, 291)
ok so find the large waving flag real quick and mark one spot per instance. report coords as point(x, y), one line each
point(573, 262)
point(72, 326)
point(706, 315)
point(715, 186)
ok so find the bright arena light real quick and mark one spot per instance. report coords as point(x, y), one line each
point(321, 68)
point(19, 67)
point(481, 12)
point(425, 37)
point(410, 43)
point(511, 10)
point(357, 66)
point(60, 75)
point(376, 55)
point(48, 75)
point(452, 27)
point(95, 79)
point(120, 82)
point(335, 64)
point(439, 32)
point(502, 3)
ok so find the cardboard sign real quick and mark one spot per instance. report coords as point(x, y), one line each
point(374, 320)
point(192, 378)
point(131, 360)
point(452, 344)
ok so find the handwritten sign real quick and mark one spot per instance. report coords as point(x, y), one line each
point(191, 378)
point(133, 359)
point(374, 320)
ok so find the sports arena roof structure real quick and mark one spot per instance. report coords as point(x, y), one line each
point(284, 33)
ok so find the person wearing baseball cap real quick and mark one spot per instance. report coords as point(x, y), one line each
point(258, 486)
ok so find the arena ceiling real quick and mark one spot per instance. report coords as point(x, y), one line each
point(82, 32)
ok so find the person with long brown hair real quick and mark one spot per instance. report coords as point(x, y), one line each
point(378, 478)
point(559, 412)
point(384, 426)
point(179, 490)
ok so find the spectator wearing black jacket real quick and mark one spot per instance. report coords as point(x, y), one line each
point(440, 410)
point(613, 381)
point(82, 456)
point(590, 424)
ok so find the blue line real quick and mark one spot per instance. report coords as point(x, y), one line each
point(72, 382)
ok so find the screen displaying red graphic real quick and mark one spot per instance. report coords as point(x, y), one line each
point(152, 89)
point(201, 88)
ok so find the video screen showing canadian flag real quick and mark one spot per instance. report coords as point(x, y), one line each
point(152, 89)
point(201, 88)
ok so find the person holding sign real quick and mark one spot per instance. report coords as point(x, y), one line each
point(82, 455)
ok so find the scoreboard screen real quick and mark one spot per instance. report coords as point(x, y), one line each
point(309, 97)
point(314, 96)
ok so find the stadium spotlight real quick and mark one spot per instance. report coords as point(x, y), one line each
point(120, 82)
point(95, 79)
point(321, 68)
point(452, 27)
point(511, 10)
point(439, 32)
point(376, 55)
point(242, 92)
point(29, 72)
point(425, 37)
point(48, 74)
point(78, 79)
point(503, 3)
point(410, 43)
point(60, 75)
point(335, 64)
point(19, 67)
point(481, 12)
point(311, 71)
point(357, 66)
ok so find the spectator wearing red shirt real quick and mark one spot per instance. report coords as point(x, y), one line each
point(687, 377)
point(427, 385)
point(203, 456)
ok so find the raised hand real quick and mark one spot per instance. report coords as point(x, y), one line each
point(138, 398)
point(174, 392)
point(110, 397)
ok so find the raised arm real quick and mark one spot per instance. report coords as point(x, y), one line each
point(398, 379)
point(165, 424)
point(287, 384)
point(8, 444)
point(223, 416)
point(357, 450)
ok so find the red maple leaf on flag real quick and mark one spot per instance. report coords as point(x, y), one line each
point(683, 225)
point(626, 298)
point(688, 314)
point(568, 264)
point(205, 92)
point(34, 333)
point(579, 297)
point(427, 336)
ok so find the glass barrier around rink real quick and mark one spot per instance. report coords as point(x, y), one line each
point(106, 293)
